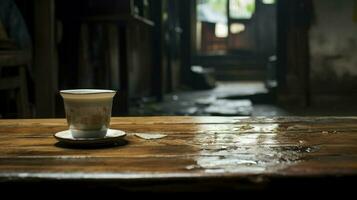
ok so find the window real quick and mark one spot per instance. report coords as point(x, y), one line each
point(241, 9)
point(213, 11)
point(224, 25)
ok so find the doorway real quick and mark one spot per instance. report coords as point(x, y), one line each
point(237, 38)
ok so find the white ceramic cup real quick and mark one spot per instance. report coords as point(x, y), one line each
point(88, 111)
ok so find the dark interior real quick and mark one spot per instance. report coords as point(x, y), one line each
point(180, 57)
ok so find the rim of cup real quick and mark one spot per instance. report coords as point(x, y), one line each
point(87, 93)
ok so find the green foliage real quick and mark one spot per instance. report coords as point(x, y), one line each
point(219, 6)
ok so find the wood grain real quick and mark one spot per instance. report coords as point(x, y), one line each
point(213, 151)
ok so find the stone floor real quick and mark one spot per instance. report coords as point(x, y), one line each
point(226, 99)
point(233, 99)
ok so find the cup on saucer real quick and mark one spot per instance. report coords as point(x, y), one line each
point(88, 111)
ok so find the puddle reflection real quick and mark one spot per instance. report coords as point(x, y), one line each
point(257, 149)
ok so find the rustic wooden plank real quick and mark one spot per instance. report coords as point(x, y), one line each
point(14, 58)
point(120, 18)
point(45, 58)
point(196, 148)
point(9, 83)
point(85, 68)
point(284, 121)
point(23, 99)
point(113, 60)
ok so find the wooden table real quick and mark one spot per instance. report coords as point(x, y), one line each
point(198, 154)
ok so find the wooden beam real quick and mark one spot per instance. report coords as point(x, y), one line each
point(121, 100)
point(188, 47)
point(85, 75)
point(9, 83)
point(158, 54)
point(113, 44)
point(45, 57)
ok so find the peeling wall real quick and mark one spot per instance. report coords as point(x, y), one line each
point(333, 46)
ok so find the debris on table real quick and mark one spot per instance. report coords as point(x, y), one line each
point(150, 136)
point(297, 127)
point(279, 129)
point(244, 127)
point(191, 167)
point(329, 132)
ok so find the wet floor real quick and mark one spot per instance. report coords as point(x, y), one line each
point(248, 98)
point(244, 98)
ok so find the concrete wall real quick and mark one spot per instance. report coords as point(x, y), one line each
point(333, 49)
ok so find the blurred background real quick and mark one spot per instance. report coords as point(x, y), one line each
point(181, 57)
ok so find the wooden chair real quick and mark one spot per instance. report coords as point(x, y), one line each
point(16, 82)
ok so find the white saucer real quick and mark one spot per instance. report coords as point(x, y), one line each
point(111, 137)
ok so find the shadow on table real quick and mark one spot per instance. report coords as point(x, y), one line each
point(117, 143)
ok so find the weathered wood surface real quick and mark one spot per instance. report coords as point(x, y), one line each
point(198, 153)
